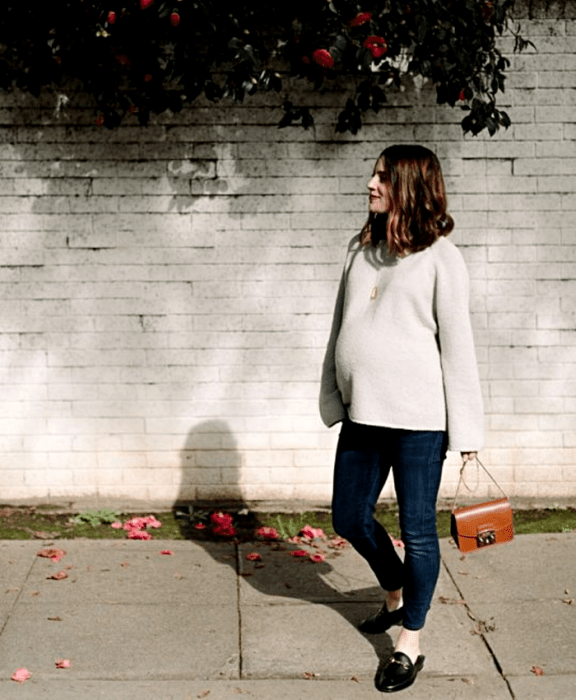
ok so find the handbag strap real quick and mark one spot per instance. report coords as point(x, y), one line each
point(461, 480)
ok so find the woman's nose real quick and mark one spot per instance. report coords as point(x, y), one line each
point(372, 183)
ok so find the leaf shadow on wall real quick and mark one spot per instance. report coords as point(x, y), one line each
point(293, 603)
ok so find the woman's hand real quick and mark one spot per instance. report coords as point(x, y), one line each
point(468, 456)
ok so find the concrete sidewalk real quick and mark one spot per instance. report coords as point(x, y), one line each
point(205, 622)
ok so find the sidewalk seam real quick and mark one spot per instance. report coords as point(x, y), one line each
point(480, 633)
point(239, 608)
point(17, 599)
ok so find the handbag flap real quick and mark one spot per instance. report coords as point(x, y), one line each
point(494, 515)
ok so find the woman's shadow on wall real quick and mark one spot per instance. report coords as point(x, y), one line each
point(280, 579)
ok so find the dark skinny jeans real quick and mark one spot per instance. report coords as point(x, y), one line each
point(364, 457)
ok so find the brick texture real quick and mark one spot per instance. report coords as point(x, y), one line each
point(166, 292)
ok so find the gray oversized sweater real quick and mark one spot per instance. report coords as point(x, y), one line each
point(401, 351)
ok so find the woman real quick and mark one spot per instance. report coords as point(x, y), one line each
point(400, 373)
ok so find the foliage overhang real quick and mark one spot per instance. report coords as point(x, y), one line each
point(148, 56)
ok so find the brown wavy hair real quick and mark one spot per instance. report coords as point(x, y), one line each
point(417, 216)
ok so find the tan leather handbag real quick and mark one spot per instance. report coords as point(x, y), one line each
point(481, 525)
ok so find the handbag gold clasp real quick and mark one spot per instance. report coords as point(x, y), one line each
point(486, 537)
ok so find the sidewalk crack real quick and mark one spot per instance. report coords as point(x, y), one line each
point(17, 599)
point(239, 610)
point(481, 630)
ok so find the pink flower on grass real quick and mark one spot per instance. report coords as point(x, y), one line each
point(312, 532)
point(317, 558)
point(268, 533)
point(136, 527)
point(254, 556)
point(135, 524)
point(152, 522)
point(299, 553)
point(63, 663)
point(21, 675)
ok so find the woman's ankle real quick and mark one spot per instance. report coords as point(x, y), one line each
point(393, 600)
point(409, 643)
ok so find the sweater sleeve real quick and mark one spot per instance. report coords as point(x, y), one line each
point(464, 405)
point(332, 409)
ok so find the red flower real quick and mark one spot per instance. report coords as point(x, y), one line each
point(461, 96)
point(174, 19)
point(147, 77)
point(323, 58)
point(225, 530)
point(317, 558)
point(111, 17)
point(224, 519)
point(268, 533)
point(376, 45)
point(299, 553)
point(360, 19)
point(144, 4)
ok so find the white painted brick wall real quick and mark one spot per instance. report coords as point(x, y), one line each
point(166, 293)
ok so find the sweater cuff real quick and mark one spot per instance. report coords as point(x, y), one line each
point(332, 410)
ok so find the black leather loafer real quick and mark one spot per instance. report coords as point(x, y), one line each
point(398, 673)
point(382, 621)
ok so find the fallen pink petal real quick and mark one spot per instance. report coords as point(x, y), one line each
point(200, 526)
point(317, 558)
point(54, 553)
point(167, 551)
point(152, 522)
point(299, 553)
point(397, 543)
point(294, 540)
point(268, 533)
point(312, 532)
point(59, 576)
point(117, 525)
point(254, 556)
point(139, 535)
point(21, 675)
point(63, 663)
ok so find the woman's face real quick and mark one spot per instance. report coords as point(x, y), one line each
point(379, 189)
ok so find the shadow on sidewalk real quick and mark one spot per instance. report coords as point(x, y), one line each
point(280, 575)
